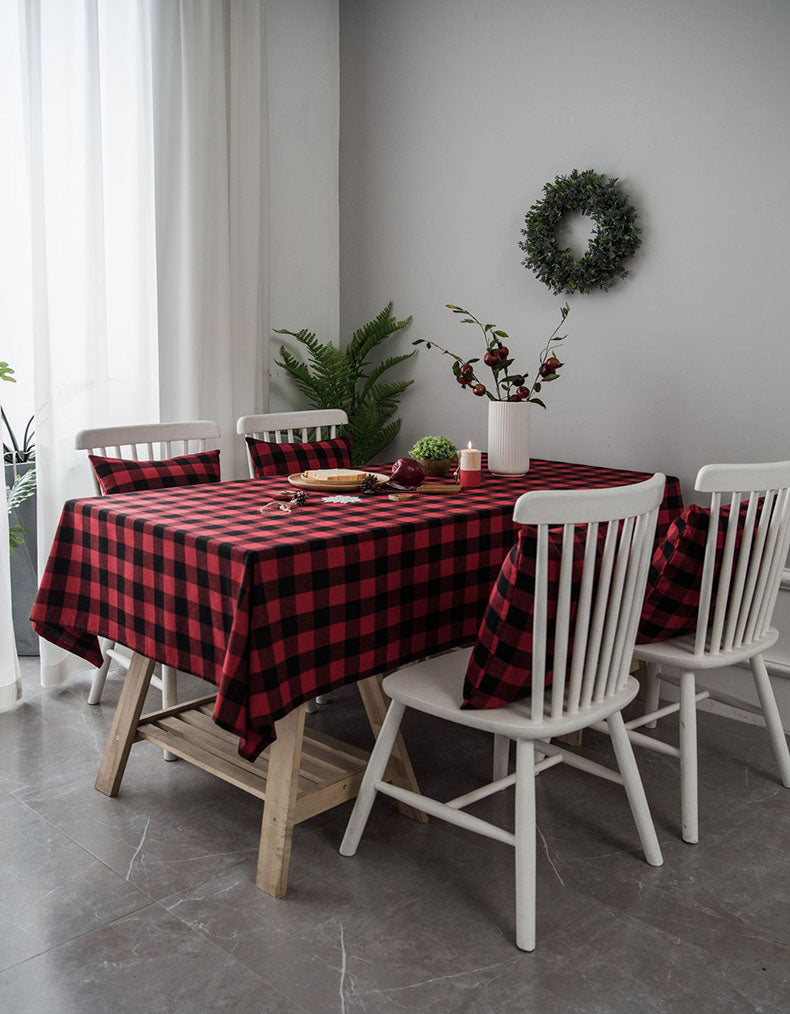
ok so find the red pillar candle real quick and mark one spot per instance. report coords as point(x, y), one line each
point(470, 460)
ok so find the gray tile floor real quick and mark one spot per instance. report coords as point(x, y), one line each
point(146, 903)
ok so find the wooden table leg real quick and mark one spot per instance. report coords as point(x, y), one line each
point(376, 704)
point(124, 725)
point(282, 782)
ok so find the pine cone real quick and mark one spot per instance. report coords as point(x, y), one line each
point(299, 499)
point(370, 484)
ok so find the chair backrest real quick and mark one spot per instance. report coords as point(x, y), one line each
point(291, 427)
point(745, 585)
point(138, 442)
point(611, 587)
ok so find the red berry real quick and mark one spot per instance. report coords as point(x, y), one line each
point(504, 352)
point(491, 358)
point(523, 393)
point(463, 381)
point(479, 390)
point(518, 381)
point(467, 370)
point(514, 397)
point(551, 365)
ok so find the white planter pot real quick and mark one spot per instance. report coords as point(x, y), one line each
point(508, 437)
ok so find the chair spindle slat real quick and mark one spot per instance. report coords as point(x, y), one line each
point(562, 622)
point(582, 627)
point(613, 608)
point(742, 635)
point(635, 544)
point(777, 559)
point(739, 578)
point(725, 575)
point(599, 614)
point(706, 585)
point(539, 624)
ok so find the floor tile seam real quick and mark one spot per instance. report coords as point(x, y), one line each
point(87, 851)
point(148, 903)
point(151, 897)
point(200, 931)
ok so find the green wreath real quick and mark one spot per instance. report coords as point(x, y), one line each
point(615, 236)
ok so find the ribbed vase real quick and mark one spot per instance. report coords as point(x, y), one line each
point(508, 437)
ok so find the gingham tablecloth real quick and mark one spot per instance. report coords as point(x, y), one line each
point(276, 608)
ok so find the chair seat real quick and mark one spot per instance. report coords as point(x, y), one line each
point(435, 686)
point(678, 652)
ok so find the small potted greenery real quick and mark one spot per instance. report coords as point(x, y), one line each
point(437, 455)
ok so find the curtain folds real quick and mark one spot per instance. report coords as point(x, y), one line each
point(209, 141)
point(145, 147)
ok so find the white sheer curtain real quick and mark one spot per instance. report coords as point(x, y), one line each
point(145, 151)
point(209, 131)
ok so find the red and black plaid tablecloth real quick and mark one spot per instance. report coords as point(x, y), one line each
point(275, 608)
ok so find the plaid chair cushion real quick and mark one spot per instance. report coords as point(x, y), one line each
point(122, 475)
point(286, 459)
point(673, 585)
point(500, 666)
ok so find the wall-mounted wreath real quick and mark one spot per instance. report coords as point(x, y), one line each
point(615, 236)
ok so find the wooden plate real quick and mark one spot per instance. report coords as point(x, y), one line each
point(328, 486)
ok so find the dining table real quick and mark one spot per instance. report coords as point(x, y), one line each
point(274, 607)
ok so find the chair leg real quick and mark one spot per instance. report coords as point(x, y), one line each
point(501, 757)
point(169, 696)
point(100, 676)
point(525, 845)
point(634, 789)
point(772, 718)
point(652, 692)
point(373, 773)
point(689, 817)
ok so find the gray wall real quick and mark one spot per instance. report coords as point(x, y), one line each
point(303, 105)
point(453, 115)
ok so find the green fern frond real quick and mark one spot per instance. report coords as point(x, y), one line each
point(332, 377)
point(300, 374)
point(382, 368)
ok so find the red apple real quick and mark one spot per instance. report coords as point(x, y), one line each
point(408, 472)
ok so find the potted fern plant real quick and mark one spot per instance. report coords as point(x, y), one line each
point(346, 378)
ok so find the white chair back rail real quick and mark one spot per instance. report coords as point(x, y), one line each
point(147, 441)
point(291, 427)
point(611, 591)
point(747, 584)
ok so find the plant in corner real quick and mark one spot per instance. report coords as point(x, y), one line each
point(24, 483)
point(345, 378)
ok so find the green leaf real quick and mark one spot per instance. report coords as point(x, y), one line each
point(502, 334)
point(536, 401)
point(344, 378)
point(549, 377)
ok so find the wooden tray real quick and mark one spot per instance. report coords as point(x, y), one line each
point(327, 486)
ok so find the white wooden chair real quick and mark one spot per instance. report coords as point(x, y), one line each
point(292, 428)
point(145, 442)
point(590, 682)
point(736, 629)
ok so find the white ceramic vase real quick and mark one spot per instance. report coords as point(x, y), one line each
point(508, 437)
